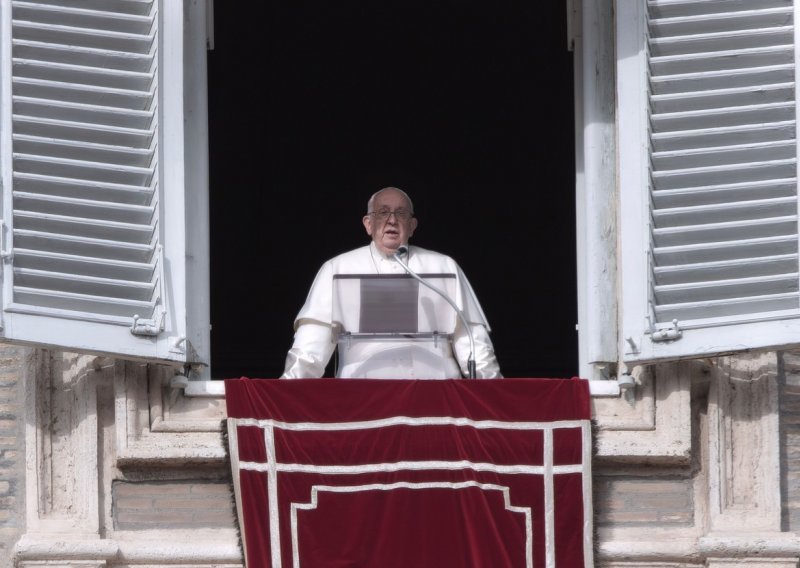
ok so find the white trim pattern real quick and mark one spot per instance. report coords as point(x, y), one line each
point(311, 505)
point(272, 467)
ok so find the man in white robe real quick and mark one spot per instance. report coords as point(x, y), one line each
point(390, 222)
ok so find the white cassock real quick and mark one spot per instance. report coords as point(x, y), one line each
point(315, 339)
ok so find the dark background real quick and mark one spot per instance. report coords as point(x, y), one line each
point(465, 104)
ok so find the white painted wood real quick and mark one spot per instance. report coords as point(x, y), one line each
point(6, 167)
point(596, 191)
point(708, 177)
point(104, 177)
point(633, 176)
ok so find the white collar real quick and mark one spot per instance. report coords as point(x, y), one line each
point(376, 253)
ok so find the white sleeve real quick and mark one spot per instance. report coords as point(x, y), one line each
point(310, 352)
point(486, 365)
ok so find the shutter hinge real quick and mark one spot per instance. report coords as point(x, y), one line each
point(149, 327)
point(669, 333)
point(155, 325)
point(6, 254)
point(177, 345)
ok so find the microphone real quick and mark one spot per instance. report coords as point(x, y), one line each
point(402, 251)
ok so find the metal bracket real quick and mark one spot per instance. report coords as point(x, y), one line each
point(154, 326)
point(149, 327)
point(670, 333)
point(177, 345)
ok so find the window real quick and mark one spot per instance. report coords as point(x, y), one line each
point(96, 111)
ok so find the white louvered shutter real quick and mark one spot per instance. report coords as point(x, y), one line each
point(94, 240)
point(708, 176)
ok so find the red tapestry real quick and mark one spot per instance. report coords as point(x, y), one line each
point(406, 473)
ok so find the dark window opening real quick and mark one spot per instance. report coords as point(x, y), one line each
point(467, 105)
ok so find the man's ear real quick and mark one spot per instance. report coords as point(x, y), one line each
point(413, 226)
point(367, 220)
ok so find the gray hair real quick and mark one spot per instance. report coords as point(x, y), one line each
point(375, 195)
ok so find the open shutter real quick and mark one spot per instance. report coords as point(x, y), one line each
point(94, 206)
point(708, 184)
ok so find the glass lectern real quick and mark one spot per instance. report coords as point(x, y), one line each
point(391, 326)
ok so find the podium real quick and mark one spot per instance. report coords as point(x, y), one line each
point(401, 473)
point(388, 325)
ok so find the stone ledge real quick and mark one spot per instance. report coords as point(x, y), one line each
point(216, 388)
point(172, 456)
point(764, 545)
point(193, 550)
point(651, 548)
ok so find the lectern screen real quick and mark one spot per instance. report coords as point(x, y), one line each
point(388, 305)
point(392, 303)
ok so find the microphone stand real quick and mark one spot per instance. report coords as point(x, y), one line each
point(402, 251)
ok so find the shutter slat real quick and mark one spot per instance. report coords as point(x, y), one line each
point(81, 302)
point(705, 119)
point(725, 193)
point(728, 173)
point(104, 20)
point(664, 104)
point(721, 41)
point(83, 37)
point(716, 290)
point(68, 73)
point(84, 227)
point(112, 211)
point(132, 7)
point(734, 249)
point(718, 60)
point(722, 79)
point(722, 155)
point(725, 269)
point(84, 115)
point(755, 306)
point(714, 137)
point(87, 94)
point(60, 186)
point(113, 289)
point(83, 170)
point(83, 265)
point(78, 245)
point(83, 151)
point(66, 130)
point(722, 213)
point(723, 22)
point(677, 8)
point(733, 231)
point(74, 54)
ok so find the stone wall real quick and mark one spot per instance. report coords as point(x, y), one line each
point(12, 450)
point(643, 501)
point(697, 466)
point(790, 441)
point(188, 504)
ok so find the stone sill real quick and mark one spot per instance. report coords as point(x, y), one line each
point(221, 550)
point(667, 548)
point(217, 388)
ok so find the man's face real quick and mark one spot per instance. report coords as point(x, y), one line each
point(390, 223)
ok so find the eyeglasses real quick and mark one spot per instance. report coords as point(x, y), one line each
point(400, 214)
